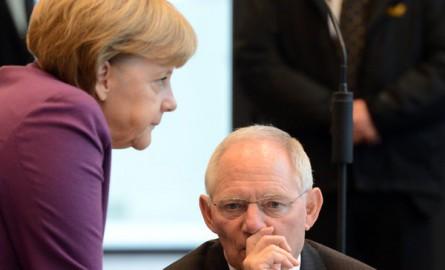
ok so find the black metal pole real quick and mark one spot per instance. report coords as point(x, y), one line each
point(341, 208)
point(341, 132)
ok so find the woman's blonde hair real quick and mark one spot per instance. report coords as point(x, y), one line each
point(72, 38)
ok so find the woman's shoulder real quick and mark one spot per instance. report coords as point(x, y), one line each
point(31, 81)
point(31, 95)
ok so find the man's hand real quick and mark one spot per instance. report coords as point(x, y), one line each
point(265, 251)
point(364, 129)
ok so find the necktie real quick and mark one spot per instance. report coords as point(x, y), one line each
point(353, 26)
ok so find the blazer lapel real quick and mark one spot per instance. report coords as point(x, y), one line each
point(321, 6)
point(377, 9)
point(29, 5)
point(310, 259)
point(215, 259)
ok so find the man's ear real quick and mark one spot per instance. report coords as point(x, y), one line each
point(206, 211)
point(314, 201)
point(102, 81)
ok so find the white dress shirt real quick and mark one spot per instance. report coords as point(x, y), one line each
point(335, 7)
point(295, 268)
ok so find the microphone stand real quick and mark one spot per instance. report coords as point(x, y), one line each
point(341, 132)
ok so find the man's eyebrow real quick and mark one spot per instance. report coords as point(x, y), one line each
point(231, 198)
point(273, 195)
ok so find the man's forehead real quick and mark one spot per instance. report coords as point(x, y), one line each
point(251, 164)
point(257, 160)
point(247, 147)
point(258, 154)
point(254, 186)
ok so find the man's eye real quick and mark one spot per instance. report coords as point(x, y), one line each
point(276, 205)
point(232, 206)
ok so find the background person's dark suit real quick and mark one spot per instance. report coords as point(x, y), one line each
point(210, 256)
point(286, 68)
point(12, 46)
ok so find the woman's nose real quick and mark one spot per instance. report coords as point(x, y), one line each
point(169, 102)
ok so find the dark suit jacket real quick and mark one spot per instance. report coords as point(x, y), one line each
point(209, 256)
point(12, 47)
point(286, 67)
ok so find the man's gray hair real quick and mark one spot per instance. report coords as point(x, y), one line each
point(269, 133)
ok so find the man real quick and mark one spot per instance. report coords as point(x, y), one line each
point(287, 64)
point(260, 203)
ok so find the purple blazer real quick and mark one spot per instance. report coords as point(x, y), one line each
point(55, 153)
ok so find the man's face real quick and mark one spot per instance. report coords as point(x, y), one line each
point(251, 171)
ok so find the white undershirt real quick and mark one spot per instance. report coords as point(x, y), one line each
point(335, 6)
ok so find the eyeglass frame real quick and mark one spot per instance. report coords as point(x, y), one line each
point(259, 204)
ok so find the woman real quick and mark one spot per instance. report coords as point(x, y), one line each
point(101, 80)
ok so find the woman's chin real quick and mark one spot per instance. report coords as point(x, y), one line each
point(141, 143)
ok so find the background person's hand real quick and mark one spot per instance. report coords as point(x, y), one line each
point(265, 251)
point(364, 130)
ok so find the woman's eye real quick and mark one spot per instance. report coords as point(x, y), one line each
point(161, 83)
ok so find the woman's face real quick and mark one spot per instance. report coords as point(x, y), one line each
point(134, 93)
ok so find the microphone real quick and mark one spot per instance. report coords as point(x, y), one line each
point(341, 132)
point(341, 106)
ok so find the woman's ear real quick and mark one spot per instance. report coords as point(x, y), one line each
point(102, 81)
point(314, 201)
point(206, 212)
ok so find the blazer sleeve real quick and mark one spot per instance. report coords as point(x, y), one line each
point(417, 96)
point(54, 202)
point(263, 70)
point(318, 256)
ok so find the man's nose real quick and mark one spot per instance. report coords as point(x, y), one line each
point(253, 219)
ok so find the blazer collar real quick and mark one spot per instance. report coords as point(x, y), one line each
point(378, 8)
point(311, 259)
point(215, 259)
point(321, 6)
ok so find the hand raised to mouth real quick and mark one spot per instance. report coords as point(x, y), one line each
point(265, 251)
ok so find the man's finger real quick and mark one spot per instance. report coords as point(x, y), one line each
point(255, 238)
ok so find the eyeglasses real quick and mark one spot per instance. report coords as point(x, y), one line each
point(271, 206)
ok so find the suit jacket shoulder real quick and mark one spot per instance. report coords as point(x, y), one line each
point(208, 256)
point(316, 256)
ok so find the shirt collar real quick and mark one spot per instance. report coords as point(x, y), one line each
point(295, 268)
